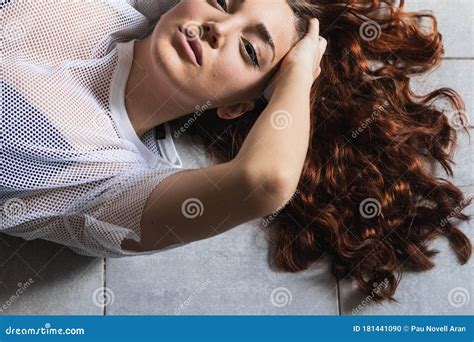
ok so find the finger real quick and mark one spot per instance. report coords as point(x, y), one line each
point(323, 43)
point(316, 72)
point(319, 72)
point(313, 29)
point(322, 49)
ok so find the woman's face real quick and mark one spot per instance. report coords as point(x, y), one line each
point(237, 55)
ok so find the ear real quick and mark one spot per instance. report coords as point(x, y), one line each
point(233, 112)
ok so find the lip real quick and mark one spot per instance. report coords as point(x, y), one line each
point(193, 48)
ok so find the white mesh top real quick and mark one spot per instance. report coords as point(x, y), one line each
point(73, 169)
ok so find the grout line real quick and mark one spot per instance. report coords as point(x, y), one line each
point(104, 308)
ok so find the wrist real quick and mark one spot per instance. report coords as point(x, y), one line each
point(292, 77)
point(296, 78)
point(298, 75)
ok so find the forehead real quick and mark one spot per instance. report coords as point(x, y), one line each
point(276, 15)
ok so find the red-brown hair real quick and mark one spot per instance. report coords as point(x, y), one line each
point(366, 196)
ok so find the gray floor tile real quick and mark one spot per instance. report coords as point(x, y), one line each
point(456, 74)
point(40, 277)
point(227, 274)
point(445, 290)
point(456, 23)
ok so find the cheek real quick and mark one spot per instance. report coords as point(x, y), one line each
point(225, 71)
point(230, 73)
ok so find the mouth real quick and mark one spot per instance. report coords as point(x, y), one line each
point(192, 47)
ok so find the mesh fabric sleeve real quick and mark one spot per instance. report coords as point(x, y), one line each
point(92, 219)
point(69, 175)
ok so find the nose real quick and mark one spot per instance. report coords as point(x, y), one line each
point(216, 33)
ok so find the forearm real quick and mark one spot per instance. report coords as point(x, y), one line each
point(278, 142)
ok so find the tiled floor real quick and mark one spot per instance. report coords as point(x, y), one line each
point(229, 274)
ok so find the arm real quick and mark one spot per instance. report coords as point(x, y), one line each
point(279, 138)
point(278, 142)
point(225, 195)
point(252, 185)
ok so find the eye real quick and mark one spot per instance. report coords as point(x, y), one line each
point(222, 4)
point(251, 53)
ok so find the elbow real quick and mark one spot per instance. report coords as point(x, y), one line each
point(282, 189)
point(274, 190)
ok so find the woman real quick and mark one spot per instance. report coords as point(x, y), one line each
point(341, 134)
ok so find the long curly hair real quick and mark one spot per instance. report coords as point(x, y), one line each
point(366, 196)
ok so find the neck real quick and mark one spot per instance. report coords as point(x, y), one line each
point(148, 100)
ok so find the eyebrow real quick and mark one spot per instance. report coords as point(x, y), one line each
point(266, 37)
point(264, 34)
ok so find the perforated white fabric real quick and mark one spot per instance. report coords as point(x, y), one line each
point(73, 169)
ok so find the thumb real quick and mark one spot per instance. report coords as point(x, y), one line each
point(313, 29)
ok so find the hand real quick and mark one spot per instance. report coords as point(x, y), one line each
point(304, 58)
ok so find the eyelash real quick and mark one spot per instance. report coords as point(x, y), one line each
point(224, 6)
point(251, 57)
